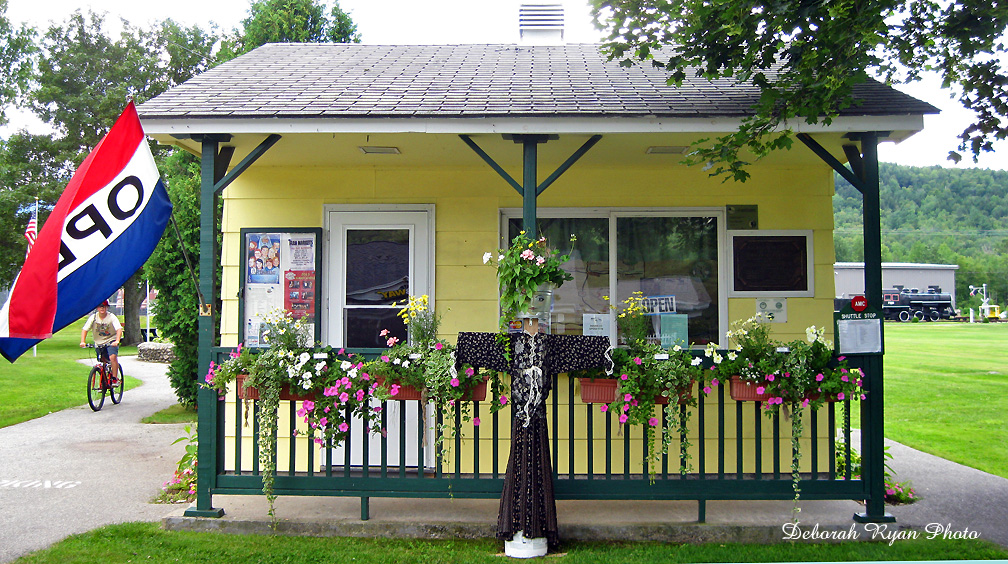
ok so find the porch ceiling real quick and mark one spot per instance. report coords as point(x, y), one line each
point(447, 150)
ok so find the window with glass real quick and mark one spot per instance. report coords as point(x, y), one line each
point(672, 260)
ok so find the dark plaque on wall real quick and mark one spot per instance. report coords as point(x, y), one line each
point(771, 264)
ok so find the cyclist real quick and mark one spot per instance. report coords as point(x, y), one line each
point(107, 331)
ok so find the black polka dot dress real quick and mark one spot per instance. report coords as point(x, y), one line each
point(527, 501)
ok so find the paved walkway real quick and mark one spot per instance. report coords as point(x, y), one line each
point(76, 470)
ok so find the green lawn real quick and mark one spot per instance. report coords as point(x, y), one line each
point(34, 386)
point(146, 542)
point(946, 391)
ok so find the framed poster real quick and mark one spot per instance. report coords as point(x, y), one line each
point(776, 264)
point(280, 268)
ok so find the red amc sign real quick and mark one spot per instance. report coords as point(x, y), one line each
point(859, 303)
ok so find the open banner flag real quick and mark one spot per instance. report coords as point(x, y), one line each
point(102, 230)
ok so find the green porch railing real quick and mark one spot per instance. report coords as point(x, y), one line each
point(606, 467)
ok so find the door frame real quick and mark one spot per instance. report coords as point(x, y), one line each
point(334, 268)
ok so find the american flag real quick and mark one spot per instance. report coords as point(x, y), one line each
point(32, 230)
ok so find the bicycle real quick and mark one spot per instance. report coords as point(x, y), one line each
point(100, 380)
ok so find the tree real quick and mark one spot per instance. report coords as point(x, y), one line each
point(176, 315)
point(16, 46)
point(84, 79)
point(293, 21)
point(806, 57)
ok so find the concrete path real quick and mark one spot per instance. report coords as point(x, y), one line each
point(76, 470)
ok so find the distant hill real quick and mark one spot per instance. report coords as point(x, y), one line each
point(936, 215)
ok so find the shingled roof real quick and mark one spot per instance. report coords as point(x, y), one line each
point(316, 80)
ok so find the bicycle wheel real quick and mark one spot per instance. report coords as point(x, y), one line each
point(95, 389)
point(116, 387)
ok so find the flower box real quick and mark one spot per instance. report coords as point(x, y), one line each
point(598, 390)
point(741, 390)
point(252, 393)
point(478, 393)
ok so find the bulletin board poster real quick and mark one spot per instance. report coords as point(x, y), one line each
point(279, 271)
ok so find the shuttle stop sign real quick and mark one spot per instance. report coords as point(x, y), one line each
point(859, 303)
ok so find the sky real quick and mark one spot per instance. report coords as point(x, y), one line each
point(484, 21)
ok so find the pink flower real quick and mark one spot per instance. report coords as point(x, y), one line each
point(633, 403)
point(864, 396)
point(714, 382)
point(769, 377)
point(308, 405)
point(626, 407)
point(841, 357)
point(787, 374)
point(438, 346)
point(343, 427)
point(476, 421)
point(627, 397)
point(503, 400)
point(623, 418)
point(469, 371)
point(760, 389)
point(653, 421)
point(805, 403)
point(603, 408)
point(385, 358)
point(527, 254)
point(840, 396)
point(326, 410)
point(384, 332)
point(394, 390)
point(540, 261)
point(707, 389)
point(637, 360)
point(819, 377)
point(624, 377)
point(392, 341)
point(454, 382)
point(360, 395)
point(324, 421)
point(341, 351)
point(344, 397)
point(844, 378)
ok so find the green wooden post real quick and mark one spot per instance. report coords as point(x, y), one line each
point(873, 433)
point(207, 399)
point(529, 184)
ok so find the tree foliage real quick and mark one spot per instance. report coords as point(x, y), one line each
point(934, 215)
point(294, 21)
point(16, 46)
point(176, 315)
point(805, 58)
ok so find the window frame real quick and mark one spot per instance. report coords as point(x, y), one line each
point(612, 213)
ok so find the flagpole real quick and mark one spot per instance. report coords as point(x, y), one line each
point(35, 347)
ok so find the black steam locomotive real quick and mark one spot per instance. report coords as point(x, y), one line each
point(904, 303)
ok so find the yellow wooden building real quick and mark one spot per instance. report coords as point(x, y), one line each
point(400, 166)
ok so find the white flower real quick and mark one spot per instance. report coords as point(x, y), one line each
point(696, 361)
point(397, 361)
point(811, 335)
point(677, 348)
point(345, 365)
point(718, 358)
point(732, 355)
point(319, 366)
point(500, 258)
point(486, 257)
point(405, 363)
point(305, 357)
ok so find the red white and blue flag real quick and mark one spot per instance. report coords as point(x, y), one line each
point(102, 230)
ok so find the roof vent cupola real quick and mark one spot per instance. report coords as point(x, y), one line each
point(541, 23)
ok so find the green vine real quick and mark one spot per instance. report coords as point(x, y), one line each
point(796, 434)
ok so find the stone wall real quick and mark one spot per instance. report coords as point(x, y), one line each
point(156, 352)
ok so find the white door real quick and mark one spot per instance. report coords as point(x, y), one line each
point(376, 259)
